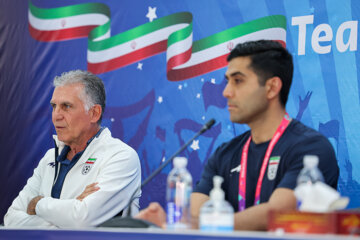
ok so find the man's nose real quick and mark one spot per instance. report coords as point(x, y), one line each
point(227, 93)
point(57, 114)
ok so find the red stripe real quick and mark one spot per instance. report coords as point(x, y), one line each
point(283, 43)
point(273, 163)
point(199, 69)
point(127, 59)
point(179, 59)
point(59, 35)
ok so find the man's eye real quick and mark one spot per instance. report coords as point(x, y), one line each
point(237, 81)
point(65, 106)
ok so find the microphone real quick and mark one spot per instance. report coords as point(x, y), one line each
point(128, 221)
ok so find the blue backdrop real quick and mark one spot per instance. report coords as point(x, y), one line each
point(155, 115)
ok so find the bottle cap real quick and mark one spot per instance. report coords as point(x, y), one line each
point(217, 194)
point(180, 162)
point(311, 161)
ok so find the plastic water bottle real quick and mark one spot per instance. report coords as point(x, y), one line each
point(179, 188)
point(310, 174)
point(307, 177)
point(217, 215)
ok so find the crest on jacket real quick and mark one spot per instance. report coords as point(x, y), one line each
point(273, 167)
point(87, 166)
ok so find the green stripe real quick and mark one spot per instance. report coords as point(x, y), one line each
point(68, 11)
point(274, 159)
point(182, 17)
point(180, 35)
point(238, 31)
point(99, 31)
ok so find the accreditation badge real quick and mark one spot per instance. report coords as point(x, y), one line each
point(87, 166)
point(273, 167)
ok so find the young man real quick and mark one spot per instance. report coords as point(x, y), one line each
point(89, 176)
point(260, 166)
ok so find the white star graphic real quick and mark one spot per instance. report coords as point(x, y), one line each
point(180, 87)
point(203, 117)
point(139, 66)
point(195, 145)
point(151, 15)
point(213, 80)
point(160, 99)
point(202, 80)
point(198, 95)
point(112, 119)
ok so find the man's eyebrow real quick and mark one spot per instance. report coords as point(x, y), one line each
point(62, 103)
point(234, 74)
point(237, 73)
point(67, 103)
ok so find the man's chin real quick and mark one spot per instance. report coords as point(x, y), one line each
point(236, 120)
point(61, 138)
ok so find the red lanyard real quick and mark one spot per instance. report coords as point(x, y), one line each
point(242, 177)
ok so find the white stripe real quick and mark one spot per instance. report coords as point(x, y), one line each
point(126, 48)
point(179, 47)
point(221, 49)
point(106, 35)
point(67, 22)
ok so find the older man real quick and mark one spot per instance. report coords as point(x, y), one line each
point(89, 176)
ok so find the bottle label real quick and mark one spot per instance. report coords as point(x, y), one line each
point(212, 228)
point(176, 217)
point(173, 213)
point(217, 222)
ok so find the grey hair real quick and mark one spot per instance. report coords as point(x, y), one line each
point(94, 90)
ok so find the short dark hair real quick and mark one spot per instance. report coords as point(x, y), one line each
point(94, 90)
point(268, 59)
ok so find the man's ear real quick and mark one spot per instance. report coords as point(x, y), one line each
point(273, 87)
point(95, 113)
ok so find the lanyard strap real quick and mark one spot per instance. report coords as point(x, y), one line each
point(244, 156)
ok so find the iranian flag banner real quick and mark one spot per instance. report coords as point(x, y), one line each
point(70, 22)
point(172, 33)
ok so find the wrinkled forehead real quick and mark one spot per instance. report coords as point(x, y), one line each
point(69, 93)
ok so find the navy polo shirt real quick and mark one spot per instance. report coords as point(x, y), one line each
point(65, 167)
point(297, 141)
